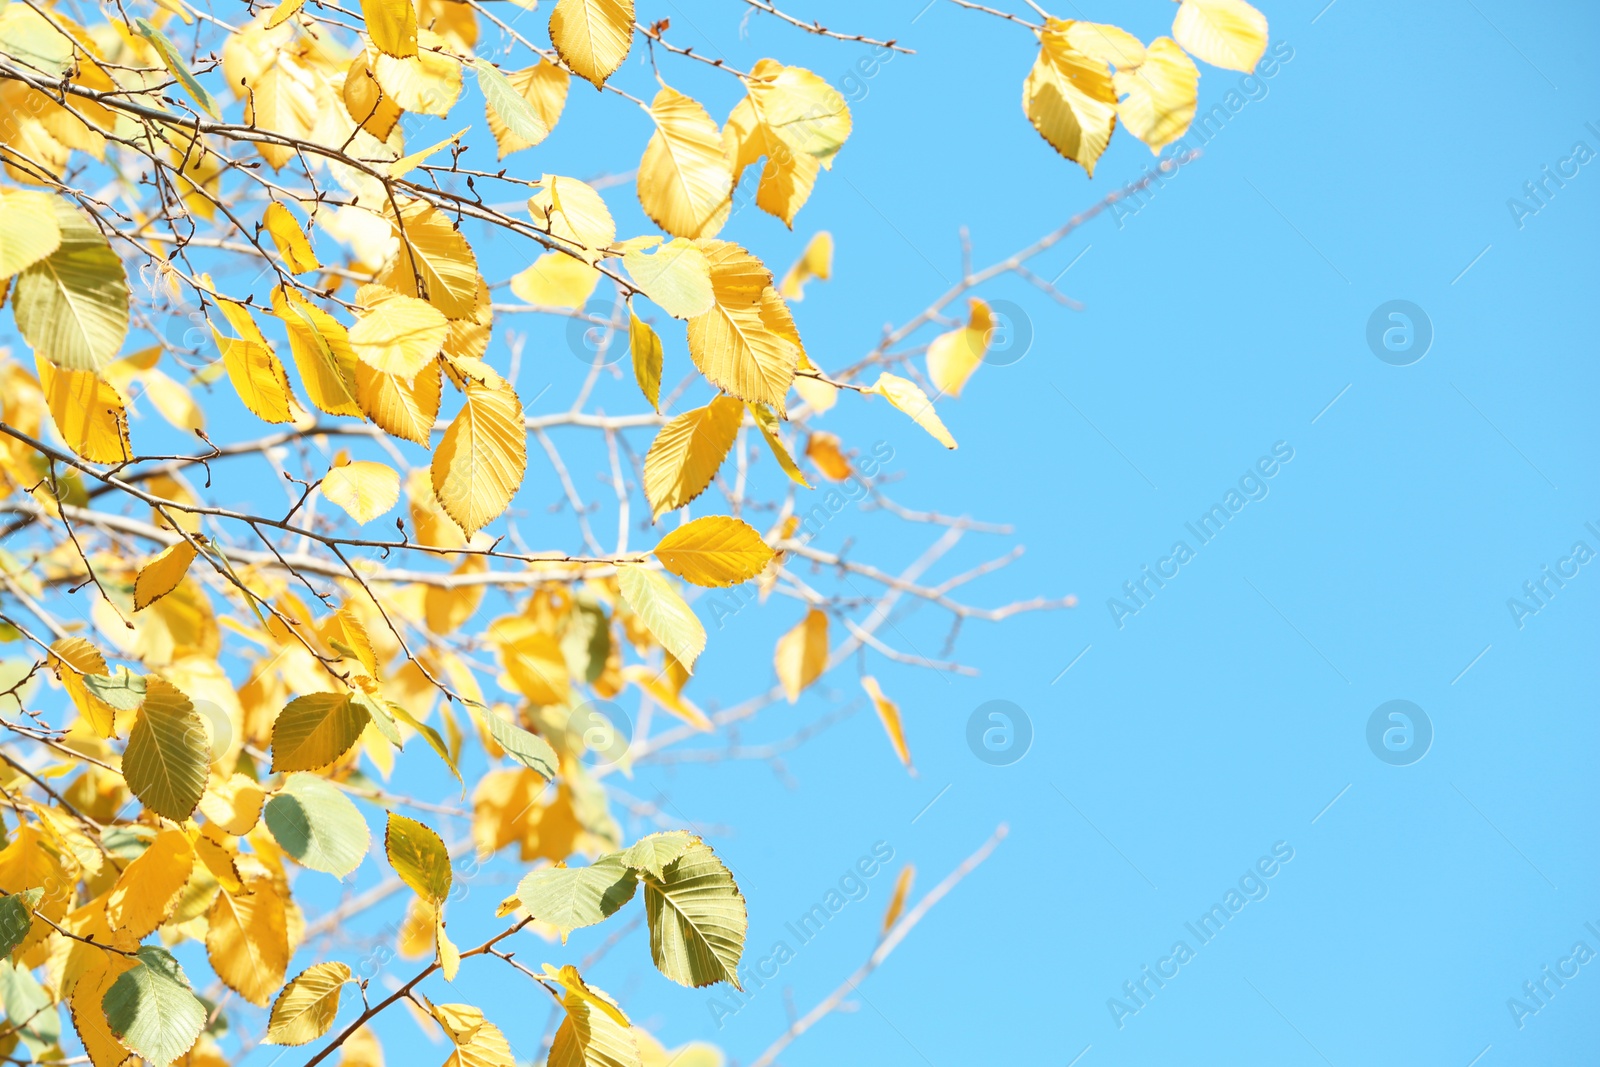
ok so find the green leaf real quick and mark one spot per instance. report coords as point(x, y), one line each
point(16, 917)
point(168, 753)
point(663, 611)
point(572, 897)
point(378, 708)
point(314, 730)
point(419, 857)
point(528, 749)
point(72, 305)
point(152, 1010)
point(645, 347)
point(29, 1010)
point(515, 111)
point(586, 642)
point(306, 1008)
point(654, 852)
point(120, 688)
point(697, 919)
point(677, 276)
point(317, 824)
point(174, 63)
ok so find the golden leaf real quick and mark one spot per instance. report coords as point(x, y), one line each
point(685, 183)
point(715, 551)
point(802, 654)
point(481, 458)
point(687, 452)
point(592, 36)
point(363, 489)
point(1069, 98)
point(162, 574)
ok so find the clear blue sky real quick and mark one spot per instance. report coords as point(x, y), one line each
point(1229, 716)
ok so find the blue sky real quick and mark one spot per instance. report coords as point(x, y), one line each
point(1180, 751)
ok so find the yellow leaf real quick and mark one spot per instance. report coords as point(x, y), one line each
point(291, 240)
point(426, 83)
point(1107, 43)
point(321, 348)
point(234, 804)
point(1159, 96)
point(364, 489)
point(1069, 98)
point(897, 899)
point(767, 423)
point(88, 411)
point(556, 280)
point(818, 394)
point(445, 608)
point(595, 1032)
point(906, 396)
point(255, 371)
point(28, 229)
point(71, 658)
point(953, 356)
point(403, 408)
point(434, 252)
point(592, 36)
point(419, 857)
point(544, 87)
point(685, 183)
point(308, 1005)
point(715, 551)
point(247, 939)
point(1224, 33)
point(393, 26)
point(800, 109)
point(481, 458)
point(815, 262)
point(162, 574)
point(802, 654)
point(533, 660)
point(677, 276)
point(285, 10)
point(687, 452)
point(361, 1049)
point(657, 688)
point(572, 211)
point(395, 334)
point(645, 348)
point(822, 448)
point(315, 730)
point(406, 164)
point(788, 176)
point(449, 956)
point(175, 402)
point(148, 888)
point(889, 714)
point(365, 101)
point(745, 344)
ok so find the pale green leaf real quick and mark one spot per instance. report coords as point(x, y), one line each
point(168, 753)
point(72, 305)
point(316, 823)
point(663, 611)
point(572, 897)
point(152, 1010)
point(697, 919)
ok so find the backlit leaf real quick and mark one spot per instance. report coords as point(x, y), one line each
point(645, 349)
point(572, 897)
point(663, 612)
point(953, 356)
point(481, 458)
point(419, 857)
point(745, 344)
point(162, 574)
point(1224, 33)
point(802, 654)
point(314, 730)
point(290, 239)
point(247, 939)
point(685, 183)
point(909, 398)
point(1069, 98)
point(168, 753)
point(889, 715)
point(393, 26)
point(28, 229)
point(714, 551)
point(72, 305)
point(697, 919)
point(543, 88)
point(308, 1005)
point(363, 489)
point(592, 36)
point(1158, 96)
point(815, 262)
point(676, 276)
point(687, 452)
